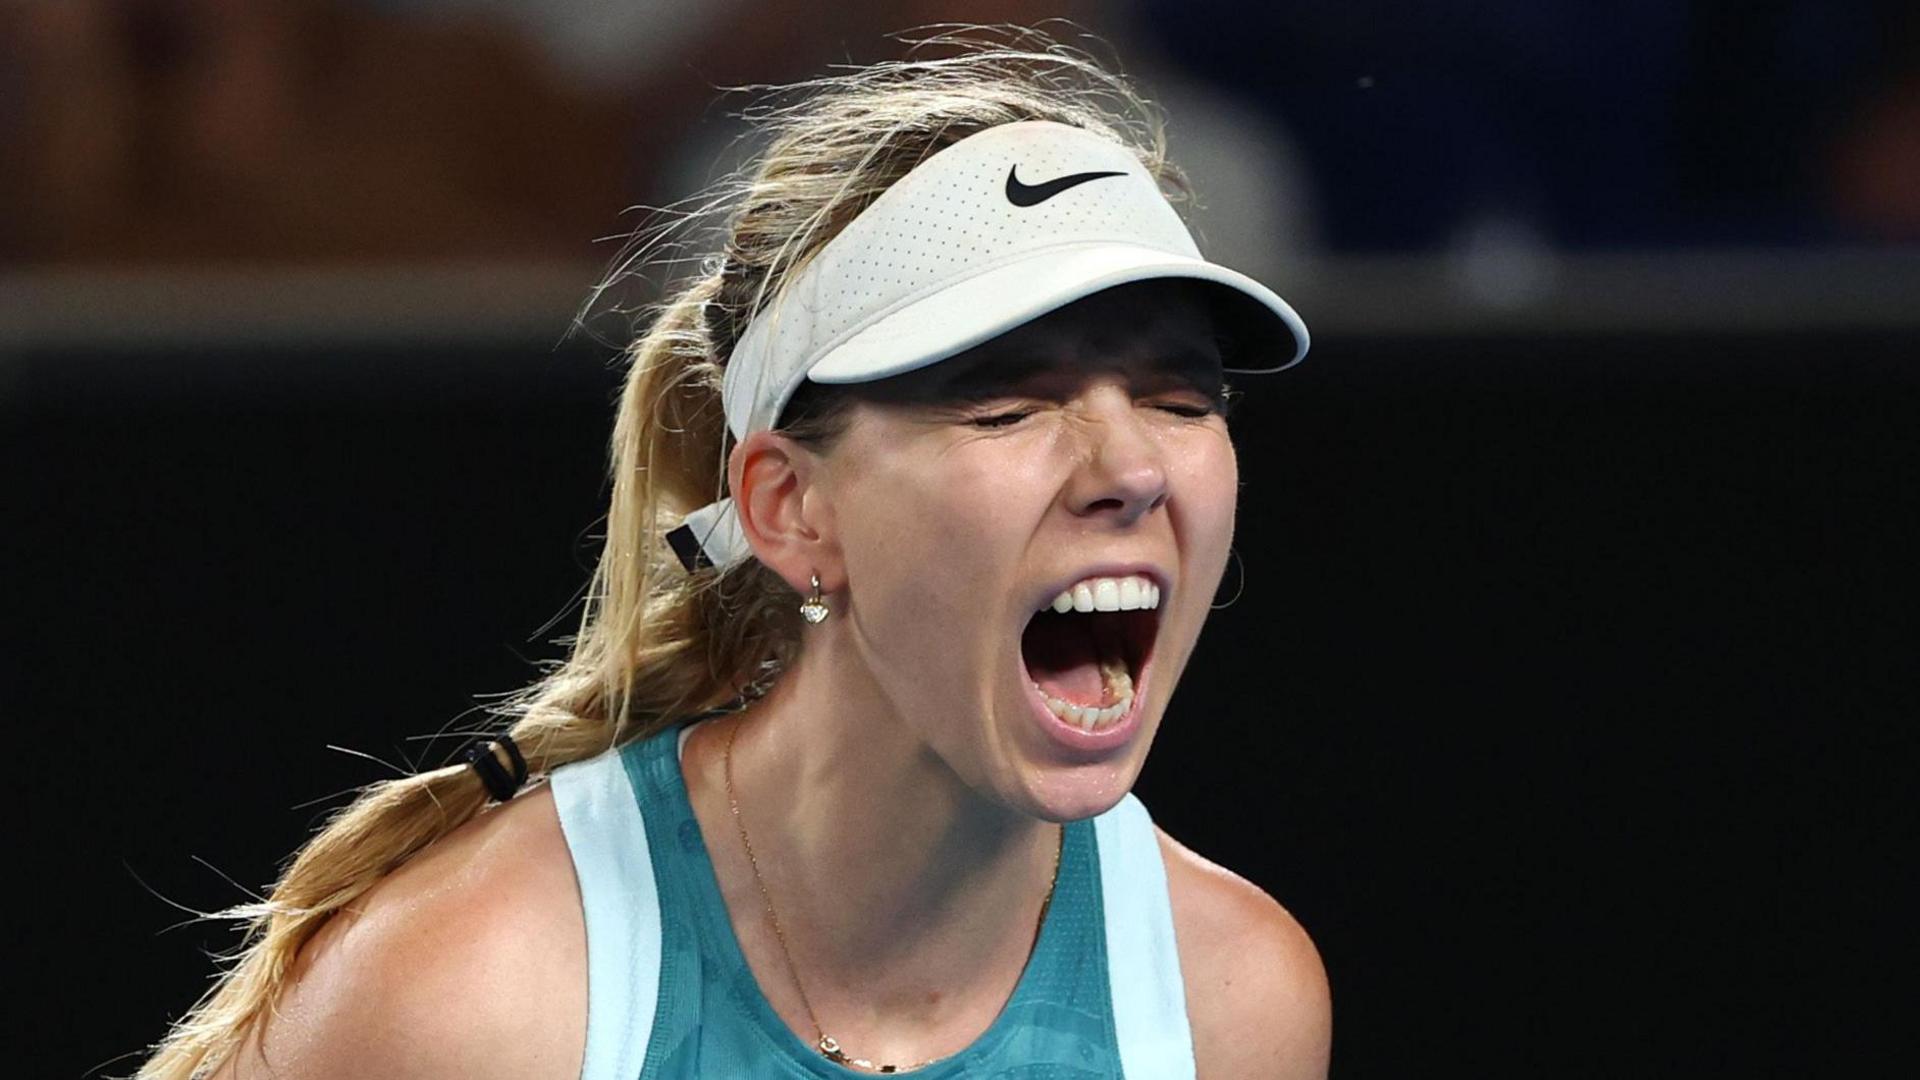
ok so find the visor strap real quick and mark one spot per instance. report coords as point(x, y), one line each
point(709, 537)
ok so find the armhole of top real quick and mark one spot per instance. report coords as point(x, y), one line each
point(611, 859)
point(1143, 959)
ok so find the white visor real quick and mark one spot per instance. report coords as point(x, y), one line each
point(988, 234)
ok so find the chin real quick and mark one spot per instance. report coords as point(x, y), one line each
point(1061, 788)
point(1082, 792)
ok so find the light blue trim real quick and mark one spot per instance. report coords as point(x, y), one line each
point(611, 859)
point(1143, 959)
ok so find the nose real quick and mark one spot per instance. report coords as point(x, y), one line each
point(1123, 469)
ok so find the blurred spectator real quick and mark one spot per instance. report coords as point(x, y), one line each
point(597, 42)
point(301, 130)
point(1634, 122)
point(293, 130)
point(288, 130)
point(1876, 171)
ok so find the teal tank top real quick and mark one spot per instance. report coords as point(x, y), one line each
point(670, 995)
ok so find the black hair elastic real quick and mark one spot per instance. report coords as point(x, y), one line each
point(500, 785)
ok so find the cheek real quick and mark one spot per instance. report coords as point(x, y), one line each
point(1208, 483)
point(930, 546)
point(925, 523)
point(1230, 484)
point(1207, 492)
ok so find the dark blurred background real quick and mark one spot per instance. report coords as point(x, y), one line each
point(1568, 692)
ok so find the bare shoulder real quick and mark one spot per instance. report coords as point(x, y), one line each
point(1257, 996)
point(468, 961)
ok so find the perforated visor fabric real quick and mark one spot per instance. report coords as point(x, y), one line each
point(976, 310)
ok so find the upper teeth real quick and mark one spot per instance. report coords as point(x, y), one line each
point(1108, 594)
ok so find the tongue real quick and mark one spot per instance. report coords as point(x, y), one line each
point(1064, 657)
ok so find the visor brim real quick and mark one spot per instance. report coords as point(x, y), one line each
point(967, 313)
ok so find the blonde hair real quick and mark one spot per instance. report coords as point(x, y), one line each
point(657, 644)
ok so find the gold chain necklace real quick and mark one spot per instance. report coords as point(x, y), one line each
point(828, 1046)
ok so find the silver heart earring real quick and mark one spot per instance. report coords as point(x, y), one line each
point(813, 609)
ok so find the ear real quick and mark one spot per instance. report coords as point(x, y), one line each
point(787, 518)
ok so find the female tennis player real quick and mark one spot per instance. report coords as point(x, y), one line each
point(922, 489)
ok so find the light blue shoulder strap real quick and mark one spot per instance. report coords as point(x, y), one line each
point(611, 859)
point(1143, 960)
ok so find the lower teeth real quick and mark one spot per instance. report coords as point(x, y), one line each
point(1115, 680)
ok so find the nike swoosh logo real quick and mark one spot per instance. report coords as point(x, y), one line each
point(1020, 194)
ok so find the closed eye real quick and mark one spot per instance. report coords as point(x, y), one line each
point(1190, 411)
point(1007, 419)
point(1193, 407)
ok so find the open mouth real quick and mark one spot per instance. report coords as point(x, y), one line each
point(1086, 665)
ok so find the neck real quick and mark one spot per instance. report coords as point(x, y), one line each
point(895, 883)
